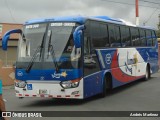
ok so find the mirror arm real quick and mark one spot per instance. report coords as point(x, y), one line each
point(13, 31)
point(6, 37)
point(75, 34)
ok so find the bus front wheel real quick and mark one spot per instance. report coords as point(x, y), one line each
point(107, 84)
point(104, 91)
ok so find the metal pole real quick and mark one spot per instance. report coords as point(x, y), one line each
point(159, 23)
point(6, 59)
point(137, 12)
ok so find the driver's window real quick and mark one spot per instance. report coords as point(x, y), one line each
point(70, 44)
point(90, 59)
point(86, 46)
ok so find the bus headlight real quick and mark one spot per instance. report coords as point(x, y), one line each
point(69, 84)
point(20, 84)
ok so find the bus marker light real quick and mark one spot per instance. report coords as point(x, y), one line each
point(50, 96)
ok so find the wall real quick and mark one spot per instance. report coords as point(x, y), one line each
point(9, 26)
point(10, 56)
point(6, 75)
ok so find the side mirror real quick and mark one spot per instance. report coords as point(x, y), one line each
point(7, 36)
point(77, 36)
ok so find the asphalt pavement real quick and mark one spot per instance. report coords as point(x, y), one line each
point(136, 96)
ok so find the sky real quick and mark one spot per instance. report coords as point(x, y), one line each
point(19, 11)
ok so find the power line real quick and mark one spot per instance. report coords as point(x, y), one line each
point(9, 9)
point(149, 2)
point(150, 16)
point(128, 3)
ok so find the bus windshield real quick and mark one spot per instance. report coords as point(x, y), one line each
point(48, 46)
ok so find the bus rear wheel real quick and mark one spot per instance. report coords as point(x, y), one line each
point(147, 74)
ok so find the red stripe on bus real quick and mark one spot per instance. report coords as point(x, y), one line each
point(42, 95)
point(67, 95)
point(77, 95)
point(26, 95)
point(50, 96)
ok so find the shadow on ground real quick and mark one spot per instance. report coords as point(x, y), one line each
point(68, 102)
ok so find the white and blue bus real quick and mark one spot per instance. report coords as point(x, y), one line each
point(79, 57)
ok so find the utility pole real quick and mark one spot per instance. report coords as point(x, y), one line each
point(159, 23)
point(137, 12)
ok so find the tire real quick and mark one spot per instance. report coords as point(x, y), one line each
point(104, 91)
point(147, 74)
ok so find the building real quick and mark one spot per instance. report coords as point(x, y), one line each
point(9, 57)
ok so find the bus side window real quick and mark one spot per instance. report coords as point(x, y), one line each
point(112, 38)
point(99, 35)
point(149, 37)
point(143, 37)
point(95, 34)
point(135, 37)
point(154, 37)
point(104, 35)
point(125, 36)
point(118, 36)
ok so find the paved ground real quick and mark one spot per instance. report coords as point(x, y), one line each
point(137, 96)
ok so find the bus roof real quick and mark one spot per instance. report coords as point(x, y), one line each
point(82, 19)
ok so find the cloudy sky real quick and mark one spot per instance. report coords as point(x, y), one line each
point(19, 11)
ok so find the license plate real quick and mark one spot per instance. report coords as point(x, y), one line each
point(43, 92)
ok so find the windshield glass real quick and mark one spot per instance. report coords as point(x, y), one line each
point(32, 38)
point(56, 46)
point(60, 37)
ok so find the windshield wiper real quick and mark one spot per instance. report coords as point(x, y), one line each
point(34, 57)
point(41, 47)
point(51, 49)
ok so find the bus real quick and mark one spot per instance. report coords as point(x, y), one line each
point(76, 57)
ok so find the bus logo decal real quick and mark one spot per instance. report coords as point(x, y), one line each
point(108, 58)
point(20, 73)
point(42, 78)
point(58, 75)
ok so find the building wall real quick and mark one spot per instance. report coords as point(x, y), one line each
point(7, 75)
point(10, 56)
point(9, 26)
